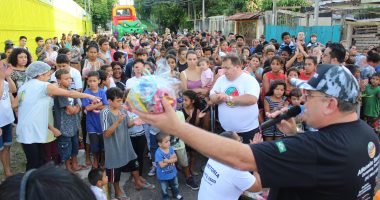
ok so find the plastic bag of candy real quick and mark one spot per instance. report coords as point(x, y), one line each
point(146, 94)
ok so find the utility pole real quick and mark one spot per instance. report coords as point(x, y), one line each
point(195, 16)
point(203, 15)
point(274, 13)
point(316, 12)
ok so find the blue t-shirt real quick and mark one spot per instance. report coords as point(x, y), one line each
point(169, 172)
point(93, 117)
point(378, 68)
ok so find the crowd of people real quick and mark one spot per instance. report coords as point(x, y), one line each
point(72, 95)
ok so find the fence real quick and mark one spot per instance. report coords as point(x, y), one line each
point(217, 23)
point(324, 33)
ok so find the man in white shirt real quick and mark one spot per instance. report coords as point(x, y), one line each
point(236, 94)
point(63, 63)
point(220, 181)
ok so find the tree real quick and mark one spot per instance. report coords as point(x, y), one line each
point(100, 10)
point(166, 14)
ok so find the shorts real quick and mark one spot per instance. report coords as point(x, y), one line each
point(67, 147)
point(182, 157)
point(247, 136)
point(114, 174)
point(6, 136)
point(273, 132)
point(96, 142)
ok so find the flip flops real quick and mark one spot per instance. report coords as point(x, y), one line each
point(81, 167)
point(124, 197)
point(147, 186)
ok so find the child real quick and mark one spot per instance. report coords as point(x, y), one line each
point(63, 62)
point(254, 68)
point(295, 100)
point(207, 77)
point(98, 179)
point(41, 49)
point(180, 150)
point(150, 67)
point(166, 170)
point(193, 115)
point(92, 118)
point(142, 54)
point(371, 101)
point(104, 53)
point(286, 42)
point(313, 41)
point(109, 71)
point(66, 120)
point(310, 68)
point(275, 99)
point(171, 59)
point(291, 73)
point(199, 52)
point(138, 139)
point(274, 74)
point(91, 63)
point(269, 53)
point(297, 60)
point(182, 62)
point(119, 153)
point(75, 51)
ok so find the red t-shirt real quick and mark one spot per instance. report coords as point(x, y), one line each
point(304, 77)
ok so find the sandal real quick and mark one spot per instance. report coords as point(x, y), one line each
point(124, 197)
point(147, 186)
point(81, 167)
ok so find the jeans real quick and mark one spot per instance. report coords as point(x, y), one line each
point(173, 183)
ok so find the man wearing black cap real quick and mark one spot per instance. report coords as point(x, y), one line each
point(339, 161)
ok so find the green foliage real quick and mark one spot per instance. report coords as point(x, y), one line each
point(168, 15)
point(174, 13)
point(100, 10)
point(268, 4)
point(225, 7)
point(163, 14)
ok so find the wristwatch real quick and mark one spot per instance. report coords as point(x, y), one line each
point(230, 98)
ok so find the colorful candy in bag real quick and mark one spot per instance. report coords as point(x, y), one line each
point(148, 91)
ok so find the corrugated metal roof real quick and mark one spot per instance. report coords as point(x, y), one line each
point(242, 16)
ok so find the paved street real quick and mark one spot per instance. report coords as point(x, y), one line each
point(155, 194)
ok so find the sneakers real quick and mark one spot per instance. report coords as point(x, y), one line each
point(191, 184)
point(152, 171)
point(179, 196)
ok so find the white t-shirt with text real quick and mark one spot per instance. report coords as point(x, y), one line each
point(220, 181)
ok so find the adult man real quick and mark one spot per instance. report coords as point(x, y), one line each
point(236, 94)
point(301, 37)
point(334, 54)
point(22, 42)
point(220, 181)
point(339, 161)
